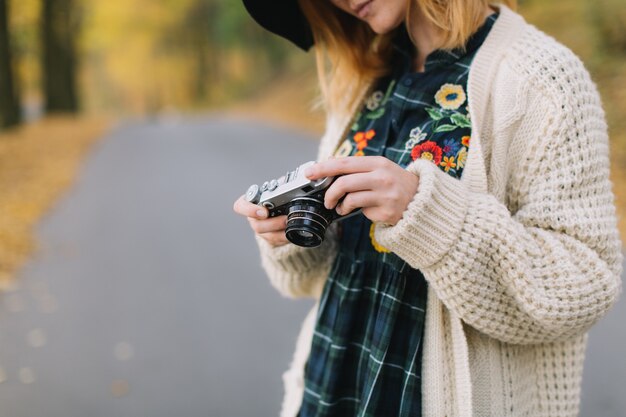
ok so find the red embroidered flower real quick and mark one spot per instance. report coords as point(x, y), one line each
point(465, 140)
point(427, 150)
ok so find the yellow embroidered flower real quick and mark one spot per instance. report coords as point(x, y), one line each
point(373, 102)
point(461, 157)
point(447, 163)
point(376, 245)
point(344, 150)
point(450, 96)
point(465, 140)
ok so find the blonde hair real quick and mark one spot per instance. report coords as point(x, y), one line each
point(350, 55)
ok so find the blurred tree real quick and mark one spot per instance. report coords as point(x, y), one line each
point(59, 30)
point(149, 56)
point(609, 18)
point(200, 22)
point(9, 102)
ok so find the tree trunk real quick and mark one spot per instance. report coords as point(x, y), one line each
point(9, 102)
point(200, 24)
point(59, 30)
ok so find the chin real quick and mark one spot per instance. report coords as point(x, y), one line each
point(382, 30)
point(379, 31)
point(383, 27)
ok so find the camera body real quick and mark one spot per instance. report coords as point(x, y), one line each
point(302, 200)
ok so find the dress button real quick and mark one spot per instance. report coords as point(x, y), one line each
point(408, 82)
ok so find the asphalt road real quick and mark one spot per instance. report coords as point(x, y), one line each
point(146, 297)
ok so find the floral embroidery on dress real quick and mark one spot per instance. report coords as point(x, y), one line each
point(379, 248)
point(345, 149)
point(448, 163)
point(415, 136)
point(377, 101)
point(441, 137)
point(461, 157)
point(361, 139)
point(374, 101)
point(449, 153)
point(451, 146)
point(427, 150)
point(374, 107)
point(450, 96)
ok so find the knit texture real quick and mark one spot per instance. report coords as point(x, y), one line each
point(522, 254)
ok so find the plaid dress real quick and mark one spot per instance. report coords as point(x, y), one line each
point(366, 352)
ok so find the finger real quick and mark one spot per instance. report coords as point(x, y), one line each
point(347, 184)
point(275, 238)
point(275, 224)
point(248, 209)
point(347, 165)
point(357, 200)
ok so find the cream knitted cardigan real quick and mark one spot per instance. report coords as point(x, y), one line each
point(522, 254)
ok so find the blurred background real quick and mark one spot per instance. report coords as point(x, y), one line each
point(127, 129)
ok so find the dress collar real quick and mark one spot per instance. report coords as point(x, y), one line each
point(405, 50)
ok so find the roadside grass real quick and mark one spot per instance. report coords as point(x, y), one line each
point(37, 163)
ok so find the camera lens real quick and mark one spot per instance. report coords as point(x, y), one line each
point(307, 220)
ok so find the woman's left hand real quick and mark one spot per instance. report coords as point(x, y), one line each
point(379, 186)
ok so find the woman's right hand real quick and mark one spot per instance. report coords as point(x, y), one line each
point(271, 229)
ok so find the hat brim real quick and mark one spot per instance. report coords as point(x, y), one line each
point(283, 18)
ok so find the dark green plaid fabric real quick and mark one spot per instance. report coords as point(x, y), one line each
point(366, 351)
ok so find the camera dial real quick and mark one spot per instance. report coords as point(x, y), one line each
point(253, 194)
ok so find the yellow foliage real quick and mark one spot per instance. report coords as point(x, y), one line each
point(37, 162)
point(120, 40)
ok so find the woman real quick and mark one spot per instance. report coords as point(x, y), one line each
point(477, 149)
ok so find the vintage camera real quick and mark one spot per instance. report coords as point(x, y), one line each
point(302, 200)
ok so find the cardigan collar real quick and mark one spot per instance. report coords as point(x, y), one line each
point(482, 72)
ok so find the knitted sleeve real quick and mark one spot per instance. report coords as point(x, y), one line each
point(545, 270)
point(298, 272)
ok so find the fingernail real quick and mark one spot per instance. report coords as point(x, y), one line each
point(261, 213)
point(308, 172)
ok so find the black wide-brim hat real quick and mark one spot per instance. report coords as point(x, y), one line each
point(284, 18)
